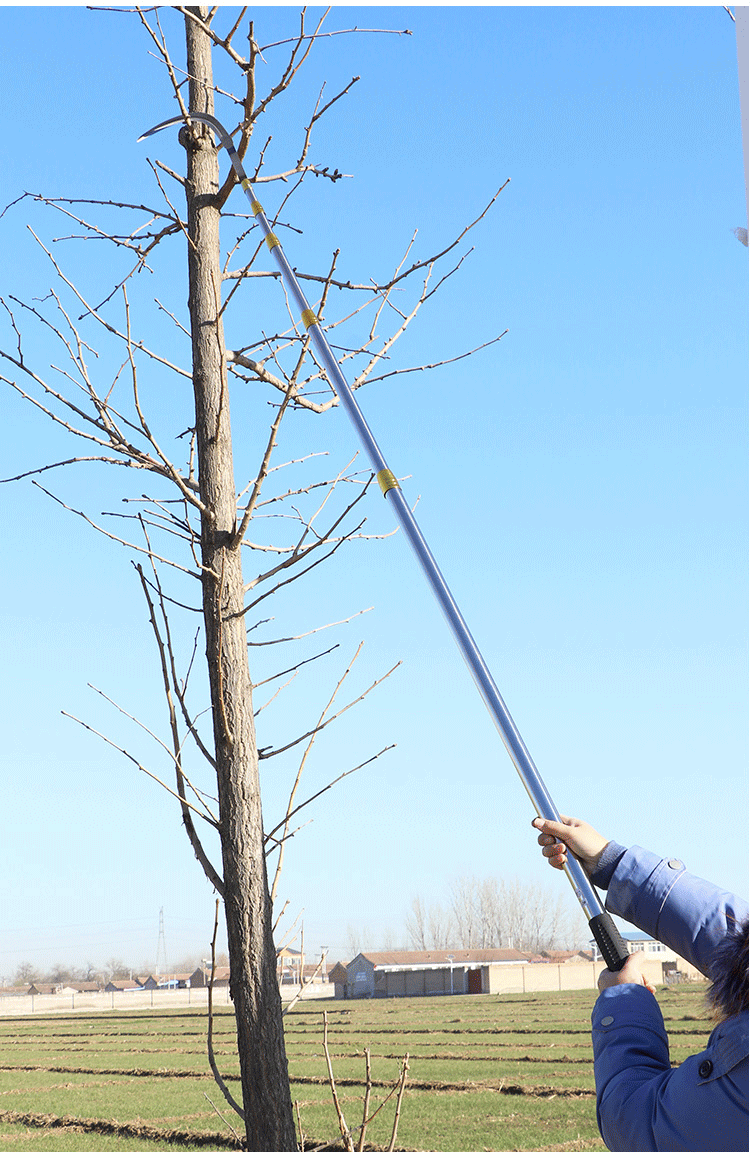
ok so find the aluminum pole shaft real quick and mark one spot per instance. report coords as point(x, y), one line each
point(601, 923)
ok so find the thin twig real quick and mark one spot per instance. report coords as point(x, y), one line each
point(319, 727)
point(343, 1128)
point(397, 1115)
point(366, 1108)
point(299, 1127)
point(301, 767)
point(343, 775)
point(138, 765)
point(226, 1121)
point(305, 985)
point(211, 1059)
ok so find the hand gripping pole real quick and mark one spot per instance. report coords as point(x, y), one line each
point(608, 939)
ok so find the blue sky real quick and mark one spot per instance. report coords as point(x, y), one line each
point(583, 482)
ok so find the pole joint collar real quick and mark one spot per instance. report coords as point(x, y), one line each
point(386, 480)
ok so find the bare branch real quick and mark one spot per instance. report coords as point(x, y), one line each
point(137, 763)
point(344, 32)
point(298, 553)
point(313, 736)
point(298, 575)
point(366, 1104)
point(304, 634)
point(189, 14)
point(296, 666)
point(209, 818)
point(262, 473)
point(211, 1059)
point(442, 362)
point(343, 776)
point(180, 699)
point(293, 743)
point(346, 1134)
point(401, 1088)
point(116, 538)
point(305, 986)
point(93, 310)
point(169, 468)
point(162, 49)
point(318, 113)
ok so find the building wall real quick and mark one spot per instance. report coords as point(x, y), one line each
point(361, 978)
point(539, 978)
point(365, 981)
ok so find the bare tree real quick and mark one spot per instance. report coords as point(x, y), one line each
point(494, 914)
point(192, 521)
point(416, 924)
point(25, 974)
point(431, 927)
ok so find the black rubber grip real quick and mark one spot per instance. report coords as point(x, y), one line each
point(613, 948)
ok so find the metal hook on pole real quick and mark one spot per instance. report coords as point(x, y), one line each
point(611, 944)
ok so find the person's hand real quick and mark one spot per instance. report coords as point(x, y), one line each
point(586, 844)
point(630, 974)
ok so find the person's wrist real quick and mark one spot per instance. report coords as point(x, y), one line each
point(606, 863)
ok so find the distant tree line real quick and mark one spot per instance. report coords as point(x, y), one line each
point(495, 914)
point(29, 974)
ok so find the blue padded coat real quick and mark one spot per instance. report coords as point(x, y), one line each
point(643, 1103)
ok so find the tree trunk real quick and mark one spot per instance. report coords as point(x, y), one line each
point(260, 1037)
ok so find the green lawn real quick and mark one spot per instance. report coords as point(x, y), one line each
point(485, 1073)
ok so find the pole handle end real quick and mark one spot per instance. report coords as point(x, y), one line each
point(612, 946)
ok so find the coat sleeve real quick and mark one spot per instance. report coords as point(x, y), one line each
point(661, 897)
point(642, 1104)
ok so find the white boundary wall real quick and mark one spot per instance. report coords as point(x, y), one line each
point(540, 978)
point(134, 1000)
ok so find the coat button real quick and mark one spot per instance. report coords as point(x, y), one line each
point(674, 863)
point(705, 1068)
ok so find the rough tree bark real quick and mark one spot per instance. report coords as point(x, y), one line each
point(265, 1084)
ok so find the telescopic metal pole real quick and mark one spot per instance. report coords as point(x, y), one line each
point(608, 939)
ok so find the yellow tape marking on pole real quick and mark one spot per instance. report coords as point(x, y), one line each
point(245, 183)
point(309, 318)
point(386, 480)
point(255, 206)
point(272, 240)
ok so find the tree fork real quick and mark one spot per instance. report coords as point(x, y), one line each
point(269, 1121)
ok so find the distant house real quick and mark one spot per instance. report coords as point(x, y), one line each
point(70, 988)
point(564, 957)
point(340, 979)
point(315, 971)
point(672, 963)
point(294, 969)
point(122, 985)
point(421, 972)
point(200, 977)
point(657, 950)
point(62, 987)
point(289, 966)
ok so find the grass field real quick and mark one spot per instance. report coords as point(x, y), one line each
point(508, 1073)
